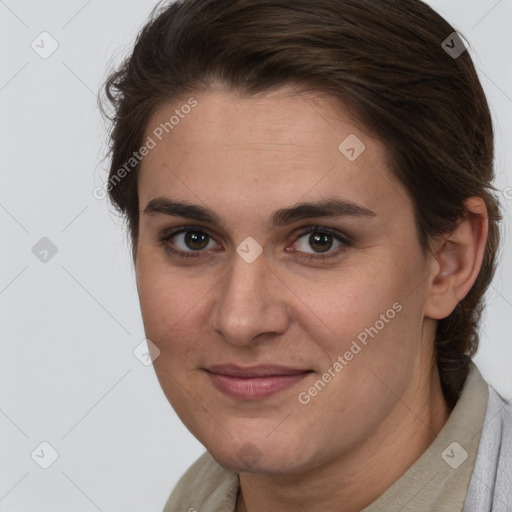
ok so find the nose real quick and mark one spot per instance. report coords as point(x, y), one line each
point(250, 303)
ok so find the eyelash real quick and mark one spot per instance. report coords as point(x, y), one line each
point(343, 240)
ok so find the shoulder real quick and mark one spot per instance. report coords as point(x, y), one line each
point(491, 483)
point(503, 445)
point(205, 486)
point(499, 414)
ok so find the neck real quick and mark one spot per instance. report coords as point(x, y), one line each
point(356, 478)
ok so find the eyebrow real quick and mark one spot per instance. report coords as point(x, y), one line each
point(332, 207)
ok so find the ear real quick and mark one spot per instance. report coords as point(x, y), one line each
point(457, 260)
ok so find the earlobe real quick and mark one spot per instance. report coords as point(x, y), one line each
point(458, 259)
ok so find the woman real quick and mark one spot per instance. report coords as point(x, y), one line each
point(308, 191)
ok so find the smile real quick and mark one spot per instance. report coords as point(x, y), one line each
point(254, 383)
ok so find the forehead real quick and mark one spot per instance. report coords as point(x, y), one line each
point(274, 147)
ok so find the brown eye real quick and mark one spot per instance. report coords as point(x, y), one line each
point(196, 240)
point(188, 241)
point(318, 242)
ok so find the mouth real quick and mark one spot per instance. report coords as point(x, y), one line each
point(256, 382)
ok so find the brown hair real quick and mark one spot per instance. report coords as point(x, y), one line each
point(384, 59)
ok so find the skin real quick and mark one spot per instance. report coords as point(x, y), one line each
point(245, 158)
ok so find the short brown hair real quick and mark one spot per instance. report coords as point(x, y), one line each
point(384, 59)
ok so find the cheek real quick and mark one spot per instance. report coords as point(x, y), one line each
point(174, 310)
point(368, 316)
point(343, 305)
point(173, 318)
point(164, 300)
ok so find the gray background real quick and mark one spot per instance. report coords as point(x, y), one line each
point(70, 324)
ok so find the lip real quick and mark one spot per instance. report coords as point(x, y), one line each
point(255, 382)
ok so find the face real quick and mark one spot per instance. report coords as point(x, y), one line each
point(280, 276)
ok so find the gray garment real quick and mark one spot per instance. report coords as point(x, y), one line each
point(438, 481)
point(491, 484)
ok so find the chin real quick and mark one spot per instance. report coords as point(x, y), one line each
point(261, 454)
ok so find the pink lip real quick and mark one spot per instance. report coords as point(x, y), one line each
point(254, 382)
